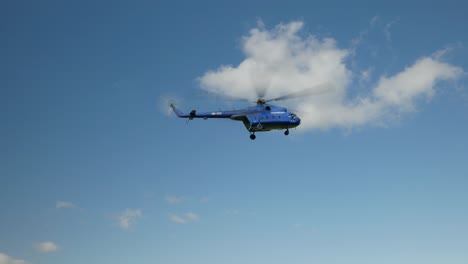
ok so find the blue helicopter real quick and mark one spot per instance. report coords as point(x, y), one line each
point(258, 118)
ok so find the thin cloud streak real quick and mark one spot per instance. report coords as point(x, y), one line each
point(64, 204)
point(185, 219)
point(192, 216)
point(46, 247)
point(177, 219)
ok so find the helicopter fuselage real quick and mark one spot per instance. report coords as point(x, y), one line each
point(259, 118)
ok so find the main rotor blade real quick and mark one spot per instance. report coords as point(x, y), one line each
point(261, 92)
point(324, 88)
point(260, 79)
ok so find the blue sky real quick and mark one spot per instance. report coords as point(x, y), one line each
point(94, 170)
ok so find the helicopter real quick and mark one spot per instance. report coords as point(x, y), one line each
point(261, 117)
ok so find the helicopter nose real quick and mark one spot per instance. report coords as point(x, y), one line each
point(295, 121)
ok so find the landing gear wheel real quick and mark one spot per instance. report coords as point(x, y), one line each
point(252, 136)
point(286, 132)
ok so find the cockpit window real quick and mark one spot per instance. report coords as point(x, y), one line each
point(293, 116)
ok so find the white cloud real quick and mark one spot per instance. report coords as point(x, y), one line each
point(172, 199)
point(128, 218)
point(281, 61)
point(185, 219)
point(5, 259)
point(418, 80)
point(64, 204)
point(46, 247)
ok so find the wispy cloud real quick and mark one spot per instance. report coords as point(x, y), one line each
point(46, 247)
point(388, 34)
point(281, 61)
point(128, 218)
point(363, 34)
point(374, 20)
point(184, 219)
point(204, 199)
point(192, 216)
point(5, 259)
point(173, 199)
point(232, 212)
point(177, 219)
point(64, 204)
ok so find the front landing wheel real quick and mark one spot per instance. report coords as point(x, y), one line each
point(286, 132)
point(252, 136)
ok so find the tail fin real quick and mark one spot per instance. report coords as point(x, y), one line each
point(176, 111)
